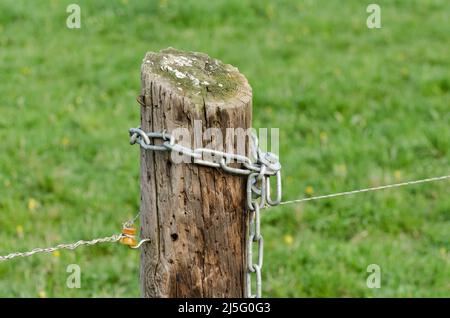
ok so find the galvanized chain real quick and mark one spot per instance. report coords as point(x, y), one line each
point(258, 170)
point(218, 159)
point(254, 237)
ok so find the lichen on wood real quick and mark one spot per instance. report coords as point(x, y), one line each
point(194, 74)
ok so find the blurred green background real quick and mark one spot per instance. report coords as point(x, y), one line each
point(356, 107)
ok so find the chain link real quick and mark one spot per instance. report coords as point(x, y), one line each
point(258, 172)
point(266, 163)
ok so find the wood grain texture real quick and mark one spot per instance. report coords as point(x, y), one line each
point(194, 215)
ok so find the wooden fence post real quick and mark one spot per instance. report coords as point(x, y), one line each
point(193, 215)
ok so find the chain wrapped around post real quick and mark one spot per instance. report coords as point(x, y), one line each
point(258, 171)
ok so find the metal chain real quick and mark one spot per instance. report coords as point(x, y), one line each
point(254, 236)
point(217, 159)
point(258, 194)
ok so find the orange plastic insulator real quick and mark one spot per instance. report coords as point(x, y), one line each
point(129, 231)
point(129, 236)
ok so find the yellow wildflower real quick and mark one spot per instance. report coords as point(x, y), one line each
point(309, 190)
point(33, 204)
point(288, 239)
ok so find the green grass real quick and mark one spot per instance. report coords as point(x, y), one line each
point(356, 108)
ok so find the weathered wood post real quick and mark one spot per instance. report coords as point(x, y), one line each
point(194, 215)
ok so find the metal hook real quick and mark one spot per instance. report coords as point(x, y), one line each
point(268, 195)
point(140, 243)
point(141, 100)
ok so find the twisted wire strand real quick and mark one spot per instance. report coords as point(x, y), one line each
point(70, 246)
point(383, 187)
point(116, 237)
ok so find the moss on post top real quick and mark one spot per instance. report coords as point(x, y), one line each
point(195, 75)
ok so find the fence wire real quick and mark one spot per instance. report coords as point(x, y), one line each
point(71, 246)
point(68, 246)
point(383, 187)
point(116, 237)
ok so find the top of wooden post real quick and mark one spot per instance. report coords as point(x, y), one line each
point(198, 77)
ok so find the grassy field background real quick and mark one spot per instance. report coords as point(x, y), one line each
point(356, 107)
